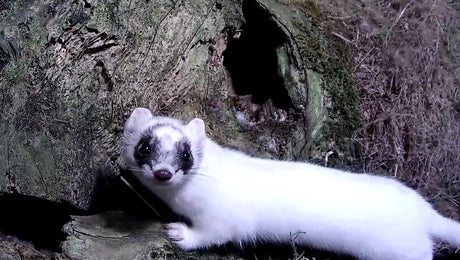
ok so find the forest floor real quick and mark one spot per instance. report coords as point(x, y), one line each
point(405, 60)
point(406, 67)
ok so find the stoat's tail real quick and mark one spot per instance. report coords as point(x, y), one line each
point(445, 229)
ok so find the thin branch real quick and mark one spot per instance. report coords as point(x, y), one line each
point(363, 59)
point(397, 20)
point(343, 38)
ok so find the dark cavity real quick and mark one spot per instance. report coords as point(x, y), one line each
point(251, 59)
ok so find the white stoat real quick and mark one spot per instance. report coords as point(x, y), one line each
point(232, 197)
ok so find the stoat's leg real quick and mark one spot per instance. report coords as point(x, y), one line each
point(188, 238)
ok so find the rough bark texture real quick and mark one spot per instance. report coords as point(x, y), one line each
point(80, 68)
point(72, 71)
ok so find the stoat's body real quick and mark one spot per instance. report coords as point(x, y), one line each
point(229, 196)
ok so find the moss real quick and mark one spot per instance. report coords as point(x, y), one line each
point(21, 71)
point(330, 58)
point(105, 16)
point(13, 72)
point(310, 7)
point(10, 10)
point(21, 18)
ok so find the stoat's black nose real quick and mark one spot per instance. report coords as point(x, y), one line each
point(162, 175)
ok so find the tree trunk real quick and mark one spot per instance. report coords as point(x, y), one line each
point(72, 71)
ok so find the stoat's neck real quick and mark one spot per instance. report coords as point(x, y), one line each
point(218, 157)
point(211, 151)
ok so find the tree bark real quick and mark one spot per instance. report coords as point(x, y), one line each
point(72, 71)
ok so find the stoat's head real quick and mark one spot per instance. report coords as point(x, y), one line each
point(160, 150)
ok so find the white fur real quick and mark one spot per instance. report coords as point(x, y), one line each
point(230, 196)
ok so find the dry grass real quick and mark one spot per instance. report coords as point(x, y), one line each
point(404, 67)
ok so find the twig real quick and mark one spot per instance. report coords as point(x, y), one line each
point(339, 17)
point(141, 197)
point(342, 37)
point(429, 13)
point(363, 59)
point(326, 158)
point(397, 20)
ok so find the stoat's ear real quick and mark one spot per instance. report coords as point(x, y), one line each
point(138, 119)
point(195, 129)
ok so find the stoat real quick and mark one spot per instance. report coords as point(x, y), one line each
point(232, 197)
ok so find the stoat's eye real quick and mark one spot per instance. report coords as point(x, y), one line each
point(144, 149)
point(185, 156)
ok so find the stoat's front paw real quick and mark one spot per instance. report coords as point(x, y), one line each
point(181, 235)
